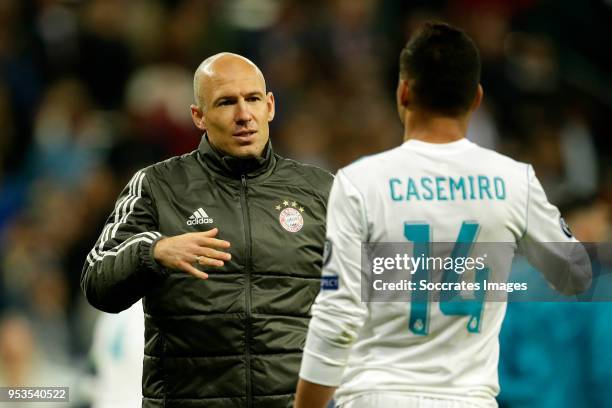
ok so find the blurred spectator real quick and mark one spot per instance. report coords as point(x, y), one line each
point(156, 97)
point(70, 137)
point(579, 156)
point(16, 351)
point(23, 364)
point(6, 129)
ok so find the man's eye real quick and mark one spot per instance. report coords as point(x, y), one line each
point(253, 99)
point(225, 103)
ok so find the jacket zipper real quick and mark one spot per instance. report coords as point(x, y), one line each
point(247, 269)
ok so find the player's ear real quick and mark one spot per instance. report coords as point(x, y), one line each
point(477, 99)
point(271, 106)
point(403, 93)
point(197, 115)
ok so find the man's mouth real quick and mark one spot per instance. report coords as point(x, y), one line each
point(245, 133)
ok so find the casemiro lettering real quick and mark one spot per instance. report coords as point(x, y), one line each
point(476, 187)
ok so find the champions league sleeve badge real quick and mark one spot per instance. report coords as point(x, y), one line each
point(327, 251)
point(290, 216)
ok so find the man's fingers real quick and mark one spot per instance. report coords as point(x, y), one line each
point(213, 253)
point(206, 239)
point(214, 243)
point(209, 233)
point(206, 261)
point(193, 271)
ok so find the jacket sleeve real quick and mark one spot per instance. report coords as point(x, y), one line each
point(120, 268)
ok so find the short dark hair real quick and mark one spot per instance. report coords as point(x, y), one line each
point(442, 65)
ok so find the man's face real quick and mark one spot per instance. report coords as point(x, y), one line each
point(236, 109)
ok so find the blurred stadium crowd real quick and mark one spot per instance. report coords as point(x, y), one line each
point(92, 90)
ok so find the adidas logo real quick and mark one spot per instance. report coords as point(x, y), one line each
point(199, 216)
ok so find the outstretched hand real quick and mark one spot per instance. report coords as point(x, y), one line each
point(185, 251)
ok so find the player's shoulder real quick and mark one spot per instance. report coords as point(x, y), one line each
point(173, 166)
point(500, 161)
point(371, 164)
point(294, 171)
point(367, 170)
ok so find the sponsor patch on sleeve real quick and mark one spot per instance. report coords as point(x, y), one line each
point(329, 282)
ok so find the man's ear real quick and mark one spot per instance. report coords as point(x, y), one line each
point(403, 93)
point(197, 115)
point(271, 106)
point(477, 99)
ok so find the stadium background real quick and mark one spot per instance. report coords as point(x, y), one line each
point(91, 91)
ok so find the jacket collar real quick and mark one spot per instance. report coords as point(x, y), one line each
point(234, 167)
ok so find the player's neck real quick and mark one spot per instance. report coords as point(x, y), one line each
point(434, 128)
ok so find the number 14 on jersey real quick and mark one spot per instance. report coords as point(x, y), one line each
point(451, 304)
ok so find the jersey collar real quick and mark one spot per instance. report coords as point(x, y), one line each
point(234, 167)
point(452, 147)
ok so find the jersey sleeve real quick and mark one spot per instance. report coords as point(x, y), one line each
point(549, 244)
point(338, 313)
point(120, 268)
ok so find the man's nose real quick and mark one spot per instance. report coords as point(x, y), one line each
point(243, 113)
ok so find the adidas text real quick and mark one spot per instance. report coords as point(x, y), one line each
point(200, 221)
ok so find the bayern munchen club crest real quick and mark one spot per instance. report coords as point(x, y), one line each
point(290, 216)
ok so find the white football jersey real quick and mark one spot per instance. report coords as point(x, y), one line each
point(118, 352)
point(438, 192)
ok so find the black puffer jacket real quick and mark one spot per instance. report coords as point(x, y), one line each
point(234, 340)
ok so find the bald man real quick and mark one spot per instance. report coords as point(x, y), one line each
point(224, 245)
point(232, 105)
